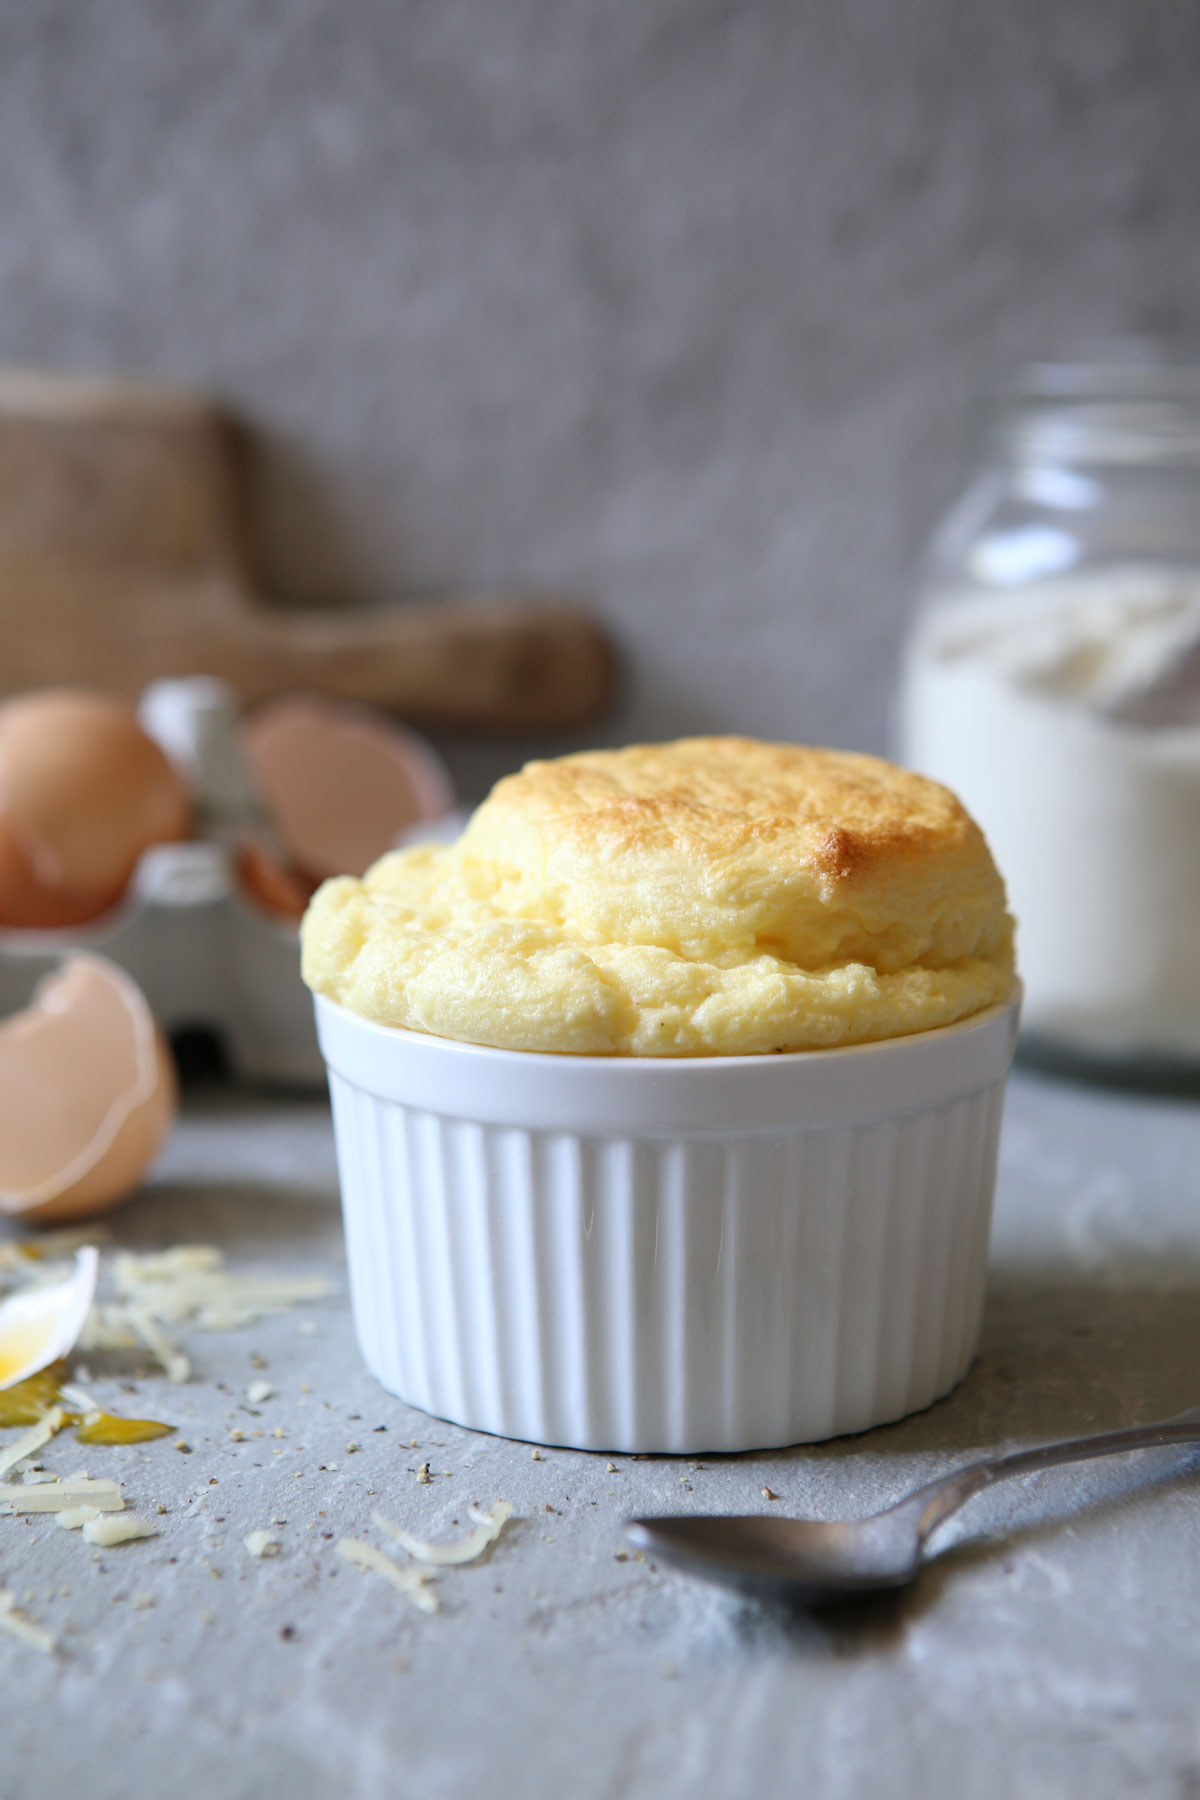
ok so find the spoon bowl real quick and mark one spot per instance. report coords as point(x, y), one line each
point(807, 1561)
point(816, 1562)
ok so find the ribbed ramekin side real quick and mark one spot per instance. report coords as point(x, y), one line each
point(956, 1168)
point(887, 1265)
point(970, 1279)
point(671, 1294)
point(867, 1201)
point(356, 1122)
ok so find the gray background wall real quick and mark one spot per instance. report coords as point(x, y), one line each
point(677, 306)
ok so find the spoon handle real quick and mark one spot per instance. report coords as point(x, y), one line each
point(935, 1502)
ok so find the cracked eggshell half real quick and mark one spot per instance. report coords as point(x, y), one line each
point(87, 1094)
point(341, 782)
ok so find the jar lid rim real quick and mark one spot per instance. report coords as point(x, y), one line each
point(1104, 382)
point(1130, 410)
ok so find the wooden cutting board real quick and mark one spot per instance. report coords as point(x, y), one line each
point(123, 559)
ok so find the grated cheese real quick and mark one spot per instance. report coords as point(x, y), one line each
point(187, 1285)
point(258, 1391)
point(61, 1496)
point(261, 1543)
point(164, 1350)
point(488, 1527)
point(18, 1626)
point(33, 1440)
point(412, 1583)
point(49, 1253)
point(191, 1282)
point(107, 1532)
point(78, 1399)
point(74, 1516)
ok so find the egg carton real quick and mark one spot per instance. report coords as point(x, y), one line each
point(205, 955)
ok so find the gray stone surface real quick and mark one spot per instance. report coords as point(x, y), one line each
point(676, 306)
point(1049, 1649)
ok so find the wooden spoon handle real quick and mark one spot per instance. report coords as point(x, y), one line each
point(509, 666)
point(122, 560)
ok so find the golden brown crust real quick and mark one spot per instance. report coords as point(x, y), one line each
point(718, 795)
point(724, 843)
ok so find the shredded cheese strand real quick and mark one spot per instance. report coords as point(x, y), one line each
point(36, 1637)
point(488, 1527)
point(73, 1517)
point(60, 1496)
point(34, 1439)
point(162, 1348)
point(412, 1583)
point(108, 1532)
point(78, 1399)
point(187, 1285)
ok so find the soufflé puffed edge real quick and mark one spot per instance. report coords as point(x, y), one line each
point(715, 896)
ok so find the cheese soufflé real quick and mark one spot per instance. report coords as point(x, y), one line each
point(711, 897)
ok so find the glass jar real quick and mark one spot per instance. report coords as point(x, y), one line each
point(1052, 679)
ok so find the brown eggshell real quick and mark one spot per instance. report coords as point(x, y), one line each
point(341, 782)
point(267, 881)
point(87, 1094)
point(83, 792)
point(29, 904)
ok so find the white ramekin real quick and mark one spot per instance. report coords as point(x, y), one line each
point(667, 1254)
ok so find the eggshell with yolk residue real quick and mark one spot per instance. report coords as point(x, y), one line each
point(40, 1324)
point(265, 879)
point(87, 1094)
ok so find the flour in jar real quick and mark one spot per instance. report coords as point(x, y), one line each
point(1066, 716)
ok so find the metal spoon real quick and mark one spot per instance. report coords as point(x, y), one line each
point(814, 1562)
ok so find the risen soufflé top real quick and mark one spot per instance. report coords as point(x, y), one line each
point(712, 897)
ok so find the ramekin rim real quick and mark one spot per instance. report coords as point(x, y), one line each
point(662, 1065)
